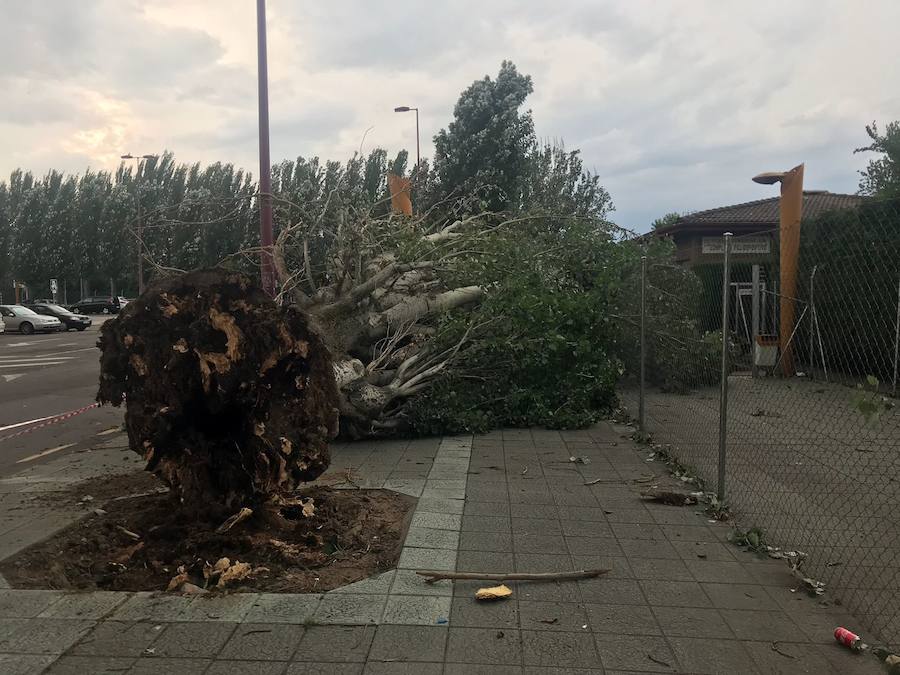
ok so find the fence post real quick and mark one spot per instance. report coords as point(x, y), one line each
point(723, 388)
point(754, 321)
point(641, 420)
point(896, 339)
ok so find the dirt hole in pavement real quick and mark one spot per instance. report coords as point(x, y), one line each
point(352, 535)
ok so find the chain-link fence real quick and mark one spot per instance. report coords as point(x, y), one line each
point(803, 408)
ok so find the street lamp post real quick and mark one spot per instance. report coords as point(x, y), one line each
point(406, 108)
point(140, 224)
point(265, 165)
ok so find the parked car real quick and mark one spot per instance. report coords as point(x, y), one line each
point(2, 326)
point(22, 319)
point(68, 319)
point(99, 304)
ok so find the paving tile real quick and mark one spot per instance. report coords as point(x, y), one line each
point(635, 653)
point(409, 643)
point(478, 669)
point(262, 642)
point(484, 645)
point(87, 665)
point(585, 513)
point(551, 616)
point(436, 521)
point(44, 636)
point(702, 550)
point(248, 668)
point(25, 604)
point(537, 543)
point(674, 593)
point(158, 666)
point(380, 584)
point(648, 548)
point(759, 625)
point(212, 607)
point(468, 612)
point(151, 607)
point(93, 605)
point(557, 591)
point(26, 664)
point(335, 643)
point(637, 531)
point(427, 559)
point(433, 505)
point(585, 528)
point(625, 619)
point(407, 582)
point(423, 537)
point(547, 511)
point(409, 668)
point(612, 591)
point(480, 523)
point(534, 526)
point(714, 571)
point(559, 649)
point(118, 638)
point(628, 515)
point(802, 658)
point(439, 493)
point(660, 569)
point(478, 508)
point(282, 608)
point(593, 546)
point(543, 562)
point(193, 640)
point(484, 561)
point(692, 622)
point(712, 656)
point(618, 566)
point(483, 541)
point(322, 669)
point(738, 596)
point(350, 609)
point(417, 610)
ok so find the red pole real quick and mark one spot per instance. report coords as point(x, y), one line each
point(265, 163)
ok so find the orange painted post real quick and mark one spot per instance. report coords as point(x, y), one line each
point(790, 216)
point(399, 189)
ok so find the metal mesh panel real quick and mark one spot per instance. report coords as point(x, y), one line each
point(813, 429)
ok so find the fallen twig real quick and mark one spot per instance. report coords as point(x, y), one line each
point(594, 482)
point(659, 661)
point(435, 575)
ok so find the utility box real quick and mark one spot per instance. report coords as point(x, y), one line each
point(765, 351)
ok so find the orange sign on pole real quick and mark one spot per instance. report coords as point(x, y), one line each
point(400, 200)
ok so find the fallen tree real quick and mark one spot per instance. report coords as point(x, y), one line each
point(229, 398)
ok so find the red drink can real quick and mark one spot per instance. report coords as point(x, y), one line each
point(847, 638)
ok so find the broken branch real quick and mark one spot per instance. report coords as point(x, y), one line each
point(434, 575)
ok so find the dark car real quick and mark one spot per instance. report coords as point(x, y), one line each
point(68, 319)
point(99, 304)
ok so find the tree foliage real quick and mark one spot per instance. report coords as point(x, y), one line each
point(881, 177)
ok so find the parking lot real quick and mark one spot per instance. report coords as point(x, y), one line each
point(47, 387)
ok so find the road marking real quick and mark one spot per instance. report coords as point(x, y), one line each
point(28, 344)
point(107, 432)
point(44, 453)
point(22, 424)
point(49, 354)
point(10, 378)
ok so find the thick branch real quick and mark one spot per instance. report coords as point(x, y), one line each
point(360, 291)
point(417, 307)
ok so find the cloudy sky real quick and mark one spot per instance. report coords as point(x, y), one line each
point(675, 104)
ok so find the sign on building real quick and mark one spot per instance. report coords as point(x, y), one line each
point(739, 245)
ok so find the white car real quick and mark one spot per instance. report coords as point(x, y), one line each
point(24, 320)
point(2, 326)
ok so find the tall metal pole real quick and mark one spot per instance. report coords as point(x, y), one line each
point(723, 387)
point(754, 321)
point(642, 393)
point(418, 156)
point(813, 325)
point(265, 164)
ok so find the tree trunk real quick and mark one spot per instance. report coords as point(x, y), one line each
point(229, 398)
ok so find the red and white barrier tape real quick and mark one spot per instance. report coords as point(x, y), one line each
point(62, 417)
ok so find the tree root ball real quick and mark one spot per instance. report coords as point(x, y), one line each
point(229, 398)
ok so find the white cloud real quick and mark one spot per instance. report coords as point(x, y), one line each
point(675, 105)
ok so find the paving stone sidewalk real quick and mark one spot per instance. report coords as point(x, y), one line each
point(678, 598)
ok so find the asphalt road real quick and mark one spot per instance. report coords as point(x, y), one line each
point(46, 376)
